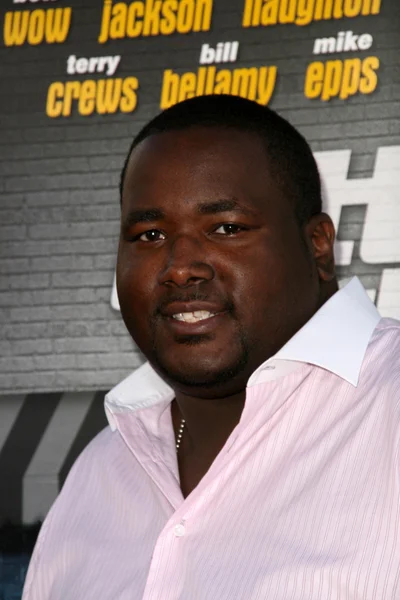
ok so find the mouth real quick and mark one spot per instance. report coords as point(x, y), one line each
point(193, 317)
point(197, 323)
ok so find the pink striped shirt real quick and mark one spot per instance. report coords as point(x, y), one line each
point(302, 503)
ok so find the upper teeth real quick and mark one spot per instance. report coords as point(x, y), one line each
point(192, 317)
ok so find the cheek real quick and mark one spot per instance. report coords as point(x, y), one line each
point(262, 270)
point(134, 304)
point(135, 284)
point(270, 278)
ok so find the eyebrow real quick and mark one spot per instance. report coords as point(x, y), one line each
point(220, 206)
point(143, 216)
point(205, 208)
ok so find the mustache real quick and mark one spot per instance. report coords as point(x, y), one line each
point(198, 296)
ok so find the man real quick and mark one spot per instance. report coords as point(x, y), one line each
point(256, 455)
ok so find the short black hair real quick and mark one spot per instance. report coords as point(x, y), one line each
point(290, 158)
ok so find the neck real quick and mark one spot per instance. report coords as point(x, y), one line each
point(209, 423)
point(206, 419)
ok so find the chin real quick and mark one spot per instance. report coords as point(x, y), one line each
point(206, 375)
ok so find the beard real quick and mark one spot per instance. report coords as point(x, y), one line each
point(200, 374)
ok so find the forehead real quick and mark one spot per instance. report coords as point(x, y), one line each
point(199, 145)
point(201, 163)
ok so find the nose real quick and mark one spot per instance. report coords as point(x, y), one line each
point(186, 264)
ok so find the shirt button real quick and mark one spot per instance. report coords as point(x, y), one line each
point(179, 530)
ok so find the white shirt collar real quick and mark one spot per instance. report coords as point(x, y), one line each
point(335, 338)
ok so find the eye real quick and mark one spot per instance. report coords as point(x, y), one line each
point(228, 229)
point(152, 235)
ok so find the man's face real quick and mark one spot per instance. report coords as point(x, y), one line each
point(214, 273)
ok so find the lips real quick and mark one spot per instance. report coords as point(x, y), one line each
point(192, 317)
point(193, 306)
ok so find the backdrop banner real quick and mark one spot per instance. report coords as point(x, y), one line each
point(78, 80)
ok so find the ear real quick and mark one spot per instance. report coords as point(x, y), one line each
point(321, 233)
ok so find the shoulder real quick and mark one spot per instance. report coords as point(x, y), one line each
point(386, 337)
point(88, 479)
point(381, 365)
point(101, 443)
point(95, 464)
point(87, 485)
point(388, 324)
point(88, 475)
